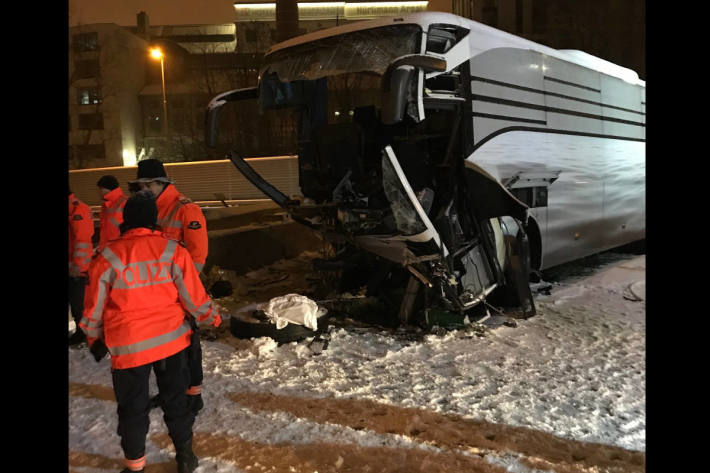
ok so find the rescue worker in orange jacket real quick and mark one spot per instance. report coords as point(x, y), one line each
point(141, 287)
point(111, 209)
point(182, 220)
point(81, 229)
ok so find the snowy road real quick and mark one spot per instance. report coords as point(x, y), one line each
point(563, 391)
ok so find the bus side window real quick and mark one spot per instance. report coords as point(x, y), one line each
point(531, 196)
point(540, 196)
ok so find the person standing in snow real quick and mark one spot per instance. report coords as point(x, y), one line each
point(141, 287)
point(81, 229)
point(182, 220)
point(111, 209)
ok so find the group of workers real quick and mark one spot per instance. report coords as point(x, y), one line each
point(138, 296)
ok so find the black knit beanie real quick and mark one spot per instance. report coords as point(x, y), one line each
point(140, 211)
point(107, 182)
point(150, 168)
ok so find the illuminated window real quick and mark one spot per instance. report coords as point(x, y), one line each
point(88, 96)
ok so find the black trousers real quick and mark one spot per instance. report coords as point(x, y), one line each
point(76, 297)
point(194, 356)
point(131, 388)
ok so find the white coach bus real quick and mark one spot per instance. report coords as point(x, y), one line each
point(462, 155)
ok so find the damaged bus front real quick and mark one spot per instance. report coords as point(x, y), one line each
point(382, 142)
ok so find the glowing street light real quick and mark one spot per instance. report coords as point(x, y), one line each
point(156, 53)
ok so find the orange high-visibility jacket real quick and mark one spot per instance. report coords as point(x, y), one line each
point(81, 229)
point(140, 288)
point(111, 216)
point(182, 220)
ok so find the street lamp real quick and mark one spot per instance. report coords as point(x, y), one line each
point(156, 53)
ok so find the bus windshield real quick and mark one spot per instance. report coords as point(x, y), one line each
point(370, 50)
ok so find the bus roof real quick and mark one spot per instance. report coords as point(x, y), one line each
point(484, 38)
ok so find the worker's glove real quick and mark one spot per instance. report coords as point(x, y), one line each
point(99, 350)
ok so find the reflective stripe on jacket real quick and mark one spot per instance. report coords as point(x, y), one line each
point(182, 220)
point(81, 229)
point(140, 288)
point(111, 216)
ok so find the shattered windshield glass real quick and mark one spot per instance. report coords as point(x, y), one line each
point(366, 50)
point(405, 215)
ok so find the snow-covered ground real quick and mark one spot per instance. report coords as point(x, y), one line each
point(563, 391)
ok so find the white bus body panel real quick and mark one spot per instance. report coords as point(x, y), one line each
point(535, 113)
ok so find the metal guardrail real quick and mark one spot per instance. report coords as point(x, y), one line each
point(202, 181)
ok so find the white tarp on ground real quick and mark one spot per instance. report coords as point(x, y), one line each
point(292, 308)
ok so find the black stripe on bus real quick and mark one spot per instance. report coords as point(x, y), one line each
point(554, 94)
point(560, 81)
point(544, 108)
point(555, 131)
point(511, 119)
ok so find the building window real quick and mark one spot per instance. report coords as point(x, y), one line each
point(91, 121)
point(88, 152)
point(86, 69)
point(86, 42)
point(251, 36)
point(88, 96)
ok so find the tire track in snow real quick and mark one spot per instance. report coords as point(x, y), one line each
point(329, 457)
point(449, 431)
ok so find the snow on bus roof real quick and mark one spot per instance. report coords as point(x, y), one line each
point(424, 19)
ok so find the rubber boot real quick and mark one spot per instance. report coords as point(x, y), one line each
point(185, 458)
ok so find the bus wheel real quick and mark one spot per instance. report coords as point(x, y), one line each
point(516, 291)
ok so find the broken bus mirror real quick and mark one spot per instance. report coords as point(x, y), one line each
point(213, 108)
point(395, 94)
point(396, 83)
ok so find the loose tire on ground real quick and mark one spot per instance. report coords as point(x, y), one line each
point(290, 333)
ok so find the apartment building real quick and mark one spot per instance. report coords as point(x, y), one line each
point(107, 67)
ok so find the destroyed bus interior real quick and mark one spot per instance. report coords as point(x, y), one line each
point(382, 173)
